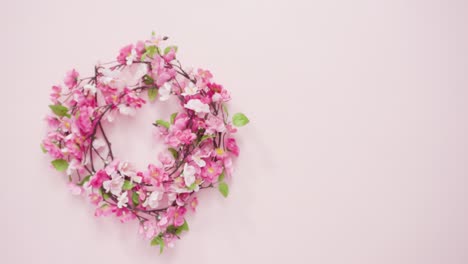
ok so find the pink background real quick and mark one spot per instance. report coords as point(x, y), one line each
point(357, 151)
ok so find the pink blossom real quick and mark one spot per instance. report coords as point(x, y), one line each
point(52, 121)
point(218, 153)
point(84, 120)
point(176, 215)
point(214, 124)
point(163, 78)
point(231, 129)
point(124, 52)
point(203, 78)
point(231, 146)
point(124, 214)
point(223, 96)
point(95, 198)
point(180, 121)
point(75, 189)
point(211, 171)
point(56, 92)
point(71, 78)
point(140, 48)
point(166, 159)
point(172, 139)
point(132, 99)
point(104, 210)
point(155, 175)
point(52, 149)
point(228, 166)
point(98, 178)
point(193, 203)
point(170, 55)
point(149, 229)
point(161, 73)
point(75, 165)
point(198, 106)
point(186, 136)
point(182, 198)
point(169, 239)
point(72, 146)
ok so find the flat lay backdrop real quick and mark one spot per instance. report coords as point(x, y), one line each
point(357, 151)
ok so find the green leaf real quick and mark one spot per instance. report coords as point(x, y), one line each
point(85, 179)
point(60, 164)
point(174, 153)
point(157, 240)
point(168, 48)
point(135, 199)
point(150, 51)
point(148, 80)
point(225, 109)
point(205, 137)
point(192, 186)
point(182, 228)
point(128, 185)
point(105, 196)
point(161, 247)
point(152, 93)
point(173, 116)
point(223, 189)
point(171, 229)
point(239, 120)
point(43, 149)
point(59, 110)
point(221, 176)
point(103, 193)
point(163, 123)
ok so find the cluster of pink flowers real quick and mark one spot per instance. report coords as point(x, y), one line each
point(199, 137)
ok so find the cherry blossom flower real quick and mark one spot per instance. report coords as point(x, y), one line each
point(114, 185)
point(211, 171)
point(149, 229)
point(176, 215)
point(155, 175)
point(189, 174)
point(215, 124)
point(198, 159)
point(91, 88)
point(165, 91)
point(124, 214)
point(71, 79)
point(197, 106)
point(104, 210)
point(95, 198)
point(56, 93)
point(112, 79)
point(126, 169)
point(97, 180)
point(122, 200)
point(74, 189)
point(190, 89)
point(166, 159)
point(127, 110)
point(231, 146)
point(193, 204)
point(124, 53)
point(152, 201)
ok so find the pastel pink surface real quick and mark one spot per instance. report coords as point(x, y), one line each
point(357, 150)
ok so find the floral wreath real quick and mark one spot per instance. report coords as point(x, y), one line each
point(200, 141)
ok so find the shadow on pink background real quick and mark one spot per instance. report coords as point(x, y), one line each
point(357, 150)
